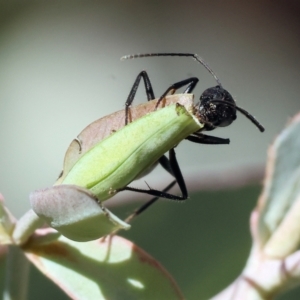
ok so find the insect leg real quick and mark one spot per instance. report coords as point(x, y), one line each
point(170, 165)
point(201, 138)
point(190, 82)
point(142, 208)
point(148, 88)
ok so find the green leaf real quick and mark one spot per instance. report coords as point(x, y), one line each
point(110, 269)
point(279, 206)
point(104, 127)
point(74, 212)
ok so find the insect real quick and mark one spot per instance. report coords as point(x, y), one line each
point(101, 163)
point(216, 108)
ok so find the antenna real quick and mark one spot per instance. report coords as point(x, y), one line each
point(194, 56)
point(242, 111)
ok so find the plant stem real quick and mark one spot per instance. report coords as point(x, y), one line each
point(17, 274)
point(25, 227)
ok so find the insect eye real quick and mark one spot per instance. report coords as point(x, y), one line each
point(217, 107)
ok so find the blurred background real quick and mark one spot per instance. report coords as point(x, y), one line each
point(61, 70)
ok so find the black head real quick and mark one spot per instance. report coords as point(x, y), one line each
point(216, 108)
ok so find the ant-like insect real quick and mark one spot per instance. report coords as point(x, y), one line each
point(216, 108)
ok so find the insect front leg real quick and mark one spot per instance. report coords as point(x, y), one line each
point(201, 138)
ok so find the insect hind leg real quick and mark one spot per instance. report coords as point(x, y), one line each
point(148, 88)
